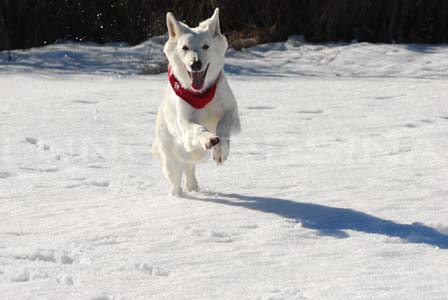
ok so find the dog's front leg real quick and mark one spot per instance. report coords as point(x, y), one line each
point(194, 135)
point(226, 124)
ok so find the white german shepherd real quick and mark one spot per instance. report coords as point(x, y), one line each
point(199, 111)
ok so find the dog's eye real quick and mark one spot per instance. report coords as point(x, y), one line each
point(205, 47)
point(185, 48)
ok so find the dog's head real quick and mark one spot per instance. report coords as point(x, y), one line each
point(196, 55)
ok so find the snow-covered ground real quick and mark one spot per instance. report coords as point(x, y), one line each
point(291, 58)
point(336, 188)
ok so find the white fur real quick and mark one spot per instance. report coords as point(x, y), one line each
point(184, 133)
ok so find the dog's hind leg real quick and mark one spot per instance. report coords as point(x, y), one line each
point(173, 172)
point(191, 182)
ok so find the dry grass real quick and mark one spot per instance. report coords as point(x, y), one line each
point(28, 23)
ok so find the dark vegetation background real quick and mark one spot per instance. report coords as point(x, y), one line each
point(30, 23)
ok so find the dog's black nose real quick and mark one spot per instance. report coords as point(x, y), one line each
point(196, 66)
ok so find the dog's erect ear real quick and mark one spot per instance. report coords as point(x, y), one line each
point(214, 23)
point(175, 27)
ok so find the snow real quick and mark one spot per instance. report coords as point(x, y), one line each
point(291, 58)
point(75, 57)
point(296, 58)
point(335, 189)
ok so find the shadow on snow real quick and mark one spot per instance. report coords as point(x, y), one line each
point(332, 221)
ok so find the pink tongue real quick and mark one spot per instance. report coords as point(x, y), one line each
point(197, 80)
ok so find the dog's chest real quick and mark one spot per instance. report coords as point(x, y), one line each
point(211, 114)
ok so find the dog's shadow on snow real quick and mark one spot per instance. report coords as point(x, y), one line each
point(332, 221)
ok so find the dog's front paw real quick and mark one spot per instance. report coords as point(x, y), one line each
point(209, 141)
point(221, 152)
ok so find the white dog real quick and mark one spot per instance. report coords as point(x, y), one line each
point(199, 111)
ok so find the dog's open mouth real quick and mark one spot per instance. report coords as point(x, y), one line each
point(197, 78)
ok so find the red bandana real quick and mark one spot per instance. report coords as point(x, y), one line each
point(197, 100)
